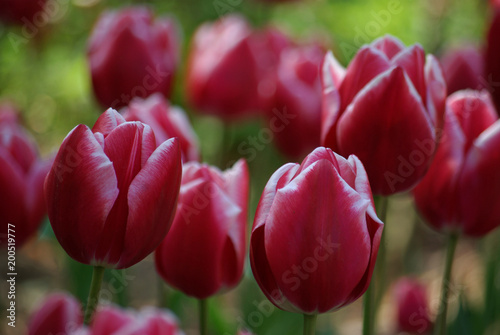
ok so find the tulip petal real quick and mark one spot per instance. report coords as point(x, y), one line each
point(332, 75)
point(108, 121)
point(389, 45)
point(436, 91)
point(384, 139)
point(412, 60)
point(80, 191)
point(319, 244)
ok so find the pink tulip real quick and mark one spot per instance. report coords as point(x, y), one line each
point(59, 314)
point(385, 108)
point(492, 67)
point(204, 251)
point(22, 12)
point(460, 193)
point(463, 68)
point(152, 322)
point(22, 173)
point(316, 235)
point(132, 55)
point(412, 307)
point(166, 121)
point(109, 320)
point(111, 193)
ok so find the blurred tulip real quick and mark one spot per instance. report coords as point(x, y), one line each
point(412, 307)
point(316, 235)
point(461, 191)
point(298, 93)
point(111, 193)
point(204, 251)
point(22, 11)
point(109, 320)
point(166, 121)
point(226, 73)
point(492, 66)
point(132, 55)
point(385, 108)
point(22, 173)
point(463, 68)
point(59, 313)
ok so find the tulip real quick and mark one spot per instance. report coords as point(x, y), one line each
point(204, 252)
point(298, 93)
point(111, 193)
point(166, 121)
point(22, 173)
point(463, 68)
point(412, 307)
point(460, 195)
point(132, 55)
point(384, 108)
point(58, 314)
point(109, 320)
point(492, 66)
point(225, 74)
point(22, 12)
point(316, 235)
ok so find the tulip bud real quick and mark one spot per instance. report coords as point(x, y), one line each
point(316, 235)
point(463, 68)
point(412, 307)
point(111, 193)
point(21, 11)
point(208, 232)
point(492, 67)
point(385, 108)
point(166, 121)
point(132, 55)
point(461, 191)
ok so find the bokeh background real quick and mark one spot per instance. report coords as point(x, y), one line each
point(46, 77)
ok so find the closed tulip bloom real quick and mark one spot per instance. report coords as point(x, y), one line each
point(23, 12)
point(316, 235)
point(59, 313)
point(223, 73)
point(111, 193)
point(492, 66)
point(385, 108)
point(22, 174)
point(204, 252)
point(461, 191)
point(166, 121)
point(298, 94)
point(412, 307)
point(132, 54)
point(463, 68)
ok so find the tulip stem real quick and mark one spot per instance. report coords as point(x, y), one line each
point(445, 287)
point(310, 323)
point(95, 288)
point(203, 316)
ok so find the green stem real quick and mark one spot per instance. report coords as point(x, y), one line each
point(95, 287)
point(203, 316)
point(372, 297)
point(445, 288)
point(309, 324)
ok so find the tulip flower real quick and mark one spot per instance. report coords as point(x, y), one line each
point(463, 68)
point(23, 12)
point(460, 193)
point(412, 307)
point(131, 54)
point(385, 108)
point(22, 173)
point(316, 235)
point(298, 93)
point(59, 313)
point(166, 121)
point(204, 252)
point(109, 320)
point(492, 66)
point(111, 193)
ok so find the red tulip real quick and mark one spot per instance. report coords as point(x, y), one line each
point(132, 55)
point(22, 173)
point(316, 235)
point(60, 313)
point(22, 11)
point(461, 191)
point(166, 121)
point(298, 93)
point(385, 108)
point(463, 68)
point(111, 193)
point(412, 307)
point(204, 251)
point(492, 66)
point(225, 76)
